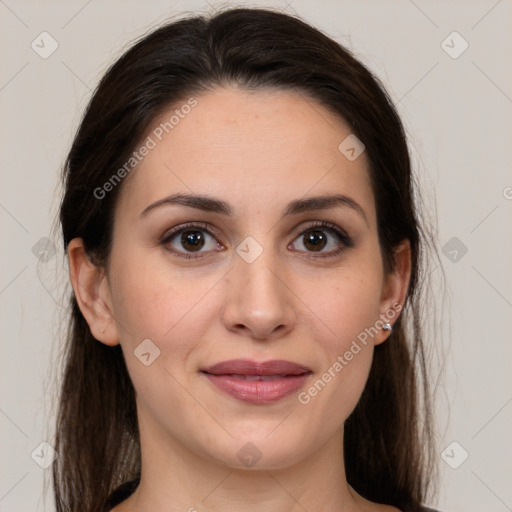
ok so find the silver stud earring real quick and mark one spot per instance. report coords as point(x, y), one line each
point(387, 327)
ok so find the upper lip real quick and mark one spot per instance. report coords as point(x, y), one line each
point(249, 367)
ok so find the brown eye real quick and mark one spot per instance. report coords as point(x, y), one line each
point(189, 240)
point(314, 240)
point(192, 240)
point(325, 239)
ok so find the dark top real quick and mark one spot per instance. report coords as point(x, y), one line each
point(125, 490)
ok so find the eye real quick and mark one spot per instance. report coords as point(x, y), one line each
point(323, 238)
point(190, 239)
point(193, 240)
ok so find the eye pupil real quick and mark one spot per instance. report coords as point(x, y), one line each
point(192, 240)
point(315, 240)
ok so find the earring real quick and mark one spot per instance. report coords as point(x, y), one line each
point(387, 327)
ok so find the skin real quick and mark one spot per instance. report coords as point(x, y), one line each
point(256, 151)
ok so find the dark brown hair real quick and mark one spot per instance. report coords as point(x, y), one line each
point(387, 441)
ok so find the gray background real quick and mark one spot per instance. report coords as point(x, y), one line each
point(458, 116)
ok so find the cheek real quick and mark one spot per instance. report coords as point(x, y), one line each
point(173, 311)
point(345, 303)
point(152, 301)
point(344, 310)
point(170, 309)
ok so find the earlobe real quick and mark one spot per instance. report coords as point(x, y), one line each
point(394, 290)
point(92, 293)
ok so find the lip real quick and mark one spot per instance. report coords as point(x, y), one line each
point(249, 367)
point(257, 382)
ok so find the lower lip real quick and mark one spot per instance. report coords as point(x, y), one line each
point(258, 391)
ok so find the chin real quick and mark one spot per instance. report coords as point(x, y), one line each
point(258, 452)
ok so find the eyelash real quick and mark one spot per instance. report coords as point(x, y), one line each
point(342, 236)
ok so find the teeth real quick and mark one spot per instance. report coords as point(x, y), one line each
point(259, 377)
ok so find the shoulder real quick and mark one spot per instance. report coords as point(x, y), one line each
point(379, 507)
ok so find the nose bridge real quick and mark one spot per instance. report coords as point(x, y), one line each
point(258, 283)
point(259, 300)
point(258, 278)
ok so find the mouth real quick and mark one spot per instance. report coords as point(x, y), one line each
point(256, 377)
point(257, 382)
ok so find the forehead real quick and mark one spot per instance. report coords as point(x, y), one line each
point(266, 145)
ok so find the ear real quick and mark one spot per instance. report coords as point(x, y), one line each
point(92, 293)
point(394, 289)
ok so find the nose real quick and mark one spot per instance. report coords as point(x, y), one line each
point(259, 301)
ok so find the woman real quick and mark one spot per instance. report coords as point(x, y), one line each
point(244, 251)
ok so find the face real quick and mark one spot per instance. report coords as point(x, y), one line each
point(256, 270)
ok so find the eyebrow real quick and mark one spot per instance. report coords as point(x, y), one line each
point(210, 204)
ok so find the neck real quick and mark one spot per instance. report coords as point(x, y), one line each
point(174, 478)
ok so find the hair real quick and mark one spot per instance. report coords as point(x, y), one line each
point(388, 441)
